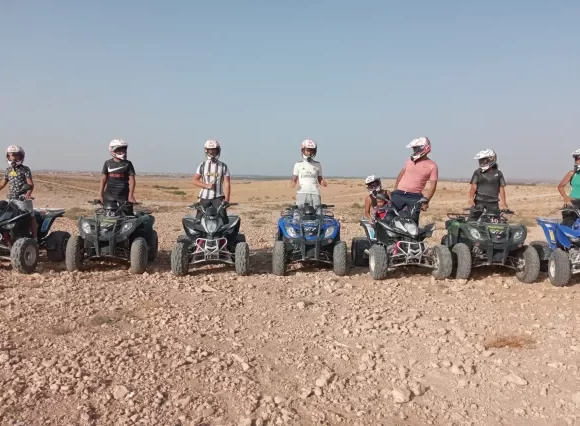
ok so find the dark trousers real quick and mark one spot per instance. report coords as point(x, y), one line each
point(568, 218)
point(109, 201)
point(215, 203)
point(490, 207)
point(402, 199)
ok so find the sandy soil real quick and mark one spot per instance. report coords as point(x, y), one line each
point(105, 347)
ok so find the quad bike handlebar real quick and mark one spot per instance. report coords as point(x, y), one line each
point(223, 205)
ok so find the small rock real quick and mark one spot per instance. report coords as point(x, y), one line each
point(301, 305)
point(516, 380)
point(120, 392)
point(401, 396)
point(458, 370)
point(418, 389)
point(208, 411)
point(4, 357)
point(279, 400)
point(245, 366)
point(576, 399)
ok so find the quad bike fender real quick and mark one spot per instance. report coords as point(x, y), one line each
point(427, 231)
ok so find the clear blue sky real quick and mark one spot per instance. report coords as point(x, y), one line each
point(360, 78)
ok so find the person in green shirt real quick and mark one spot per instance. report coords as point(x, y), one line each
point(573, 198)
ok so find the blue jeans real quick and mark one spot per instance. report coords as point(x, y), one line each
point(402, 199)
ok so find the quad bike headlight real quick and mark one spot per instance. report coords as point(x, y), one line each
point(411, 228)
point(518, 235)
point(86, 227)
point(475, 233)
point(128, 226)
point(210, 225)
point(291, 231)
point(329, 231)
point(9, 226)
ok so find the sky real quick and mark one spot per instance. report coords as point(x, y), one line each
point(361, 78)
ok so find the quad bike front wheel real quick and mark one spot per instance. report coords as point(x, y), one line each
point(357, 251)
point(24, 255)
point(340, 258)
point(442, 262)
point(279, 258)
point(528, 264)
point(138, 255)
point(242, 258)
point(179, 258)
point(462, 261)
point(74, 253)
point(56, 244)
point(559, 268)
point(378, 262)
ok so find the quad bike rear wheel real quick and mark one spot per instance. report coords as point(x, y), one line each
point(443, 262)
point(279, 258)
point(180, 258)
point(378, 262)
point(559, 268)
point(138, 255)
point(24, 255)
point(74, 253)
point(56, 246)
point(340, 258)
point(357, 251)
point(462, 261)
point(544, 252)
point(242, 258)
point(154, 248)
point(528, 271)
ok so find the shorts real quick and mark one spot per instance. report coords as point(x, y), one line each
point(24, 205)
point(312, 199)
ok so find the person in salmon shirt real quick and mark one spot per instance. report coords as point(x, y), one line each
point(412, 180)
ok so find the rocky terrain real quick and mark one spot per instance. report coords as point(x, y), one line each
point(105, 347)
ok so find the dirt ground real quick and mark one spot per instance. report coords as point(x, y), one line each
point(105, 347)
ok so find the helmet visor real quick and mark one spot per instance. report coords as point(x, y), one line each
point(483, 162)
point(17, 156)
point(120, 150)
point(374, 185)
point(212, 152)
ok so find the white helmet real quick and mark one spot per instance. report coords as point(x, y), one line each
point(576, 153)
point(311, 145)
point(212, 144)
point(15, 149)
point(118, 145)
point(421, 147)
point(487, 159)
point(373, 184)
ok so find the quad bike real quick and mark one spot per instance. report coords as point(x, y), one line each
point(310, 235)
point(113, 233)
point(398, 241)
point(481, 238)
point(16, 242)
point(560, 254)
point(209, 240)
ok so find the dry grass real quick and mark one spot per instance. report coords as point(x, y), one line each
point(512, 342)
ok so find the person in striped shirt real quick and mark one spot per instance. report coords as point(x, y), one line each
point(213, 177)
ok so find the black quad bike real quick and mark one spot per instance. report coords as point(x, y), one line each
point(208, 240)
point(398, 241)
point(482, 237)
point(114, 233)
point(309, 235)
point(16, 242)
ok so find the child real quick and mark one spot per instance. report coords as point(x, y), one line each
point(118, 177)
point(374, 187)
point(308, 173)
point(488, 183)
point(380, 209)
point(19, 175)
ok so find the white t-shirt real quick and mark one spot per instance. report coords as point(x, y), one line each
point(308, 173)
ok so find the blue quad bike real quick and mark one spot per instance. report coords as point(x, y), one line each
point(560, 254)
point(16, 243)
point(398, 241)
point(309, 235)
point(113, 233)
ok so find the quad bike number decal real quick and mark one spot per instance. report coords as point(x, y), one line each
point(494, 220)
point(552, 237)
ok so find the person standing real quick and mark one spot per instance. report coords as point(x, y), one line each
point(411, 183)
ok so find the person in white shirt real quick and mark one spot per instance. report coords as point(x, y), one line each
point(308, 175)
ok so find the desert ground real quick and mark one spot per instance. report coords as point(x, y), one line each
point(105, 347)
